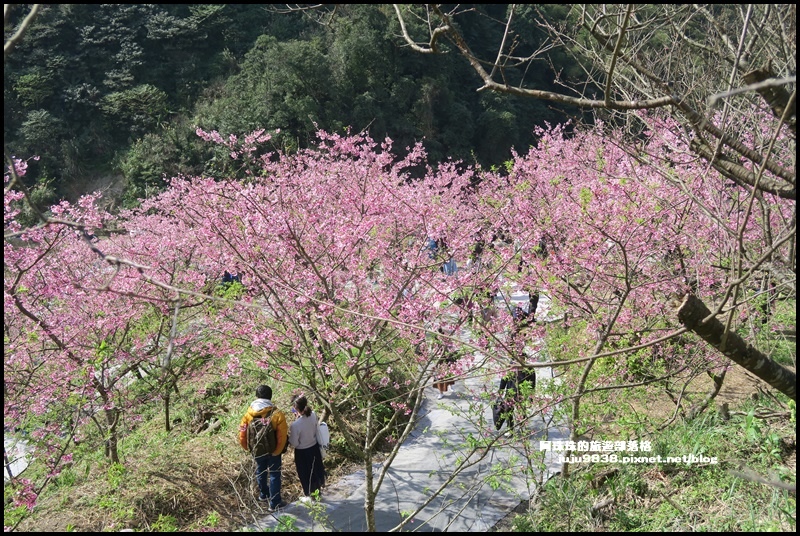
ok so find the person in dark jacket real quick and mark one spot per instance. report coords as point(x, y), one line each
point(229, 278)
point(510, 404)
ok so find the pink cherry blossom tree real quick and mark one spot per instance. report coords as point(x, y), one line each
point(618, 241)
point(341, 286)
point(82, 326)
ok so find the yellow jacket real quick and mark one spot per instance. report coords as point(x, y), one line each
point(259, 408)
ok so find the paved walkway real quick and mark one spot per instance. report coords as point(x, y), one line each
point(426, 460)
point(16, 451)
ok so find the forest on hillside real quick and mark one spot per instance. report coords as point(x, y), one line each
point(364, 201)
point(119, 89)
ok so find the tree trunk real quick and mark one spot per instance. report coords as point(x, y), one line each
point(691, 313)
point(369, 499)
point(167, 422)
point(112, 418)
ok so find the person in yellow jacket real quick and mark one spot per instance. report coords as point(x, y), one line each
point(268, 466)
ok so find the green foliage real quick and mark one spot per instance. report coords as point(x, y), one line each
point(155, 157)
point(285, 524)
point(66, 479)
point(561, 341)
point(778, 322)
point(229, 291)
point(12, 514)
point(643, 365)
point(282, 85)
point(137, 110)
point(116, 475)
point(144, 166)
point(585, 197)
point(39, 130)
point(165, 523)
point(43, 196)
point(768, 444)
point(34, 88)
point(565, 505)
point(120, 511)
point(111, 73)
point(638, 490)
point(115, 74)
point(212, 519)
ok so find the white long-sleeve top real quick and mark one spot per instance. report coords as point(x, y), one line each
point(303, 431)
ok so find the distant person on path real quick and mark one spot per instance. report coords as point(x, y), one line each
point(307, 455)
point(438, 251)
point(488, 309)
point(228, 278)
point(467, 304)
point(431, 245)
point(515, 388)
point(268, 464)
point(443, 379)
point(449, 266)
point(475, 261)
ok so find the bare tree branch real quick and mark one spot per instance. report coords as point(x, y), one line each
point(23, 27)
point(625, 62)
point(772, 91)
point(432, 47)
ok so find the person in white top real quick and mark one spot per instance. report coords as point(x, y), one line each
point(307, 455)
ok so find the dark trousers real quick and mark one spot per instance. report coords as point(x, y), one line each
point(268, 476)
point(310, 470)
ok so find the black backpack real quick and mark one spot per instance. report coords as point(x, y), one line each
point(262, 438)
point(501, 412)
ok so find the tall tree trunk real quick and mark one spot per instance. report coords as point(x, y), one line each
point(691, 314)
